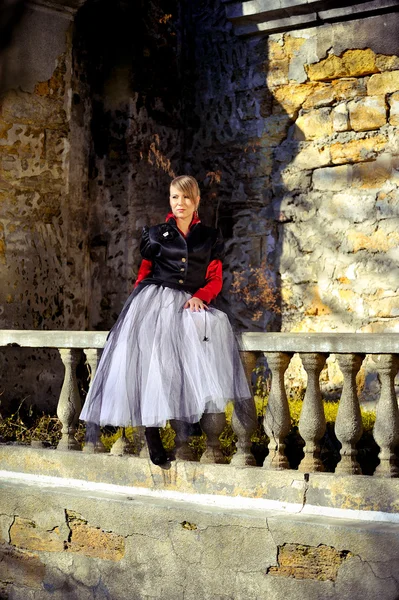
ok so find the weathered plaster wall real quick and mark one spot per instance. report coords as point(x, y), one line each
point(43, 225)
point(64, 545)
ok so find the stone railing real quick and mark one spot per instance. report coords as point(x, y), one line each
point(349, 349)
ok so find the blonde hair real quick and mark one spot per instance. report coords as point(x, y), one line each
point(188, 185)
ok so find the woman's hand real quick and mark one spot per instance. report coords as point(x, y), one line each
point(195, 304)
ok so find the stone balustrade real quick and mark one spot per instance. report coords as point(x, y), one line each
point(313, 348)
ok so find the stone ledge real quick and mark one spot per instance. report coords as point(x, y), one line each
point(357, 497)
point(252, 17)
point(345, 343)
point(65, 7)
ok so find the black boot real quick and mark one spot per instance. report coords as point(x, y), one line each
point(194, 429)
point(155, 447)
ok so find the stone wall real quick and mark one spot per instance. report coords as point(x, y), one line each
point(335, 178)
point(302, 128)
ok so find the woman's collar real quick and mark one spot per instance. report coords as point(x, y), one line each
point(170, 216)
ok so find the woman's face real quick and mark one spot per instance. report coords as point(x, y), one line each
point(182, 206)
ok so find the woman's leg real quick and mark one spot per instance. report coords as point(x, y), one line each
point(155, 447)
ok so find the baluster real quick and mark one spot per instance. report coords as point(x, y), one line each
point(312, 422)
point(182, 449)
point(69, 404)
point(92, 358)
point(386, 427)
point(213, 424)
point(122, 445)
point(277, 421)
point(244, 418)
point(348, 425)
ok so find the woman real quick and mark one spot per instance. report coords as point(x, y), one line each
point(170, 355)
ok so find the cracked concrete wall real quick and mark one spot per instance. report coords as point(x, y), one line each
point(177, 551)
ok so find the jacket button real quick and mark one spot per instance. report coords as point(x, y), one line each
point(181, 281)
point(183, 260)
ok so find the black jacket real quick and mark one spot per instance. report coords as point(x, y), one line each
point(180, 262)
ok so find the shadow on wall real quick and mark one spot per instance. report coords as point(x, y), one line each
point(128, 89)
point(229, 149)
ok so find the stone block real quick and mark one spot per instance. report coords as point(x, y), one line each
point(347, 89)
point(293, 181)
point(387, 63)
point(359, 62)
point(376, 242)
point(291, 97)
point(311, 157)
point(275, 129)
point(340, 117)
point(353, 63)
point(372, 175)
point(383, 83)
point(277, 73)
point(330, 68)
point(381, 327)
point(353, 206)
point(332, 178)
point(313, 125)
point(385, 307)
point(292, 45)
point(394, 109)
point(387, 204)
point(367, 113)
point(322, 95)
point(357, 150)
point(276, 50)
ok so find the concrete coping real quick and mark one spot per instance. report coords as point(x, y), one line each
point(346, 496)
point(328, 343)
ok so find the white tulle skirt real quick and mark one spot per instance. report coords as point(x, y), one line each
point(164, 362)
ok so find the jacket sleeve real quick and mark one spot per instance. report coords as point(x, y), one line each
point(144, 271)
point(214, 272)
point(145, 245)
point(214, 282)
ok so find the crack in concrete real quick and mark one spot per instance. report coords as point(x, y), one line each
point(144, 535)
point(370, 566)
point(305, 491)
point(9, 529)
point(68, 541)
